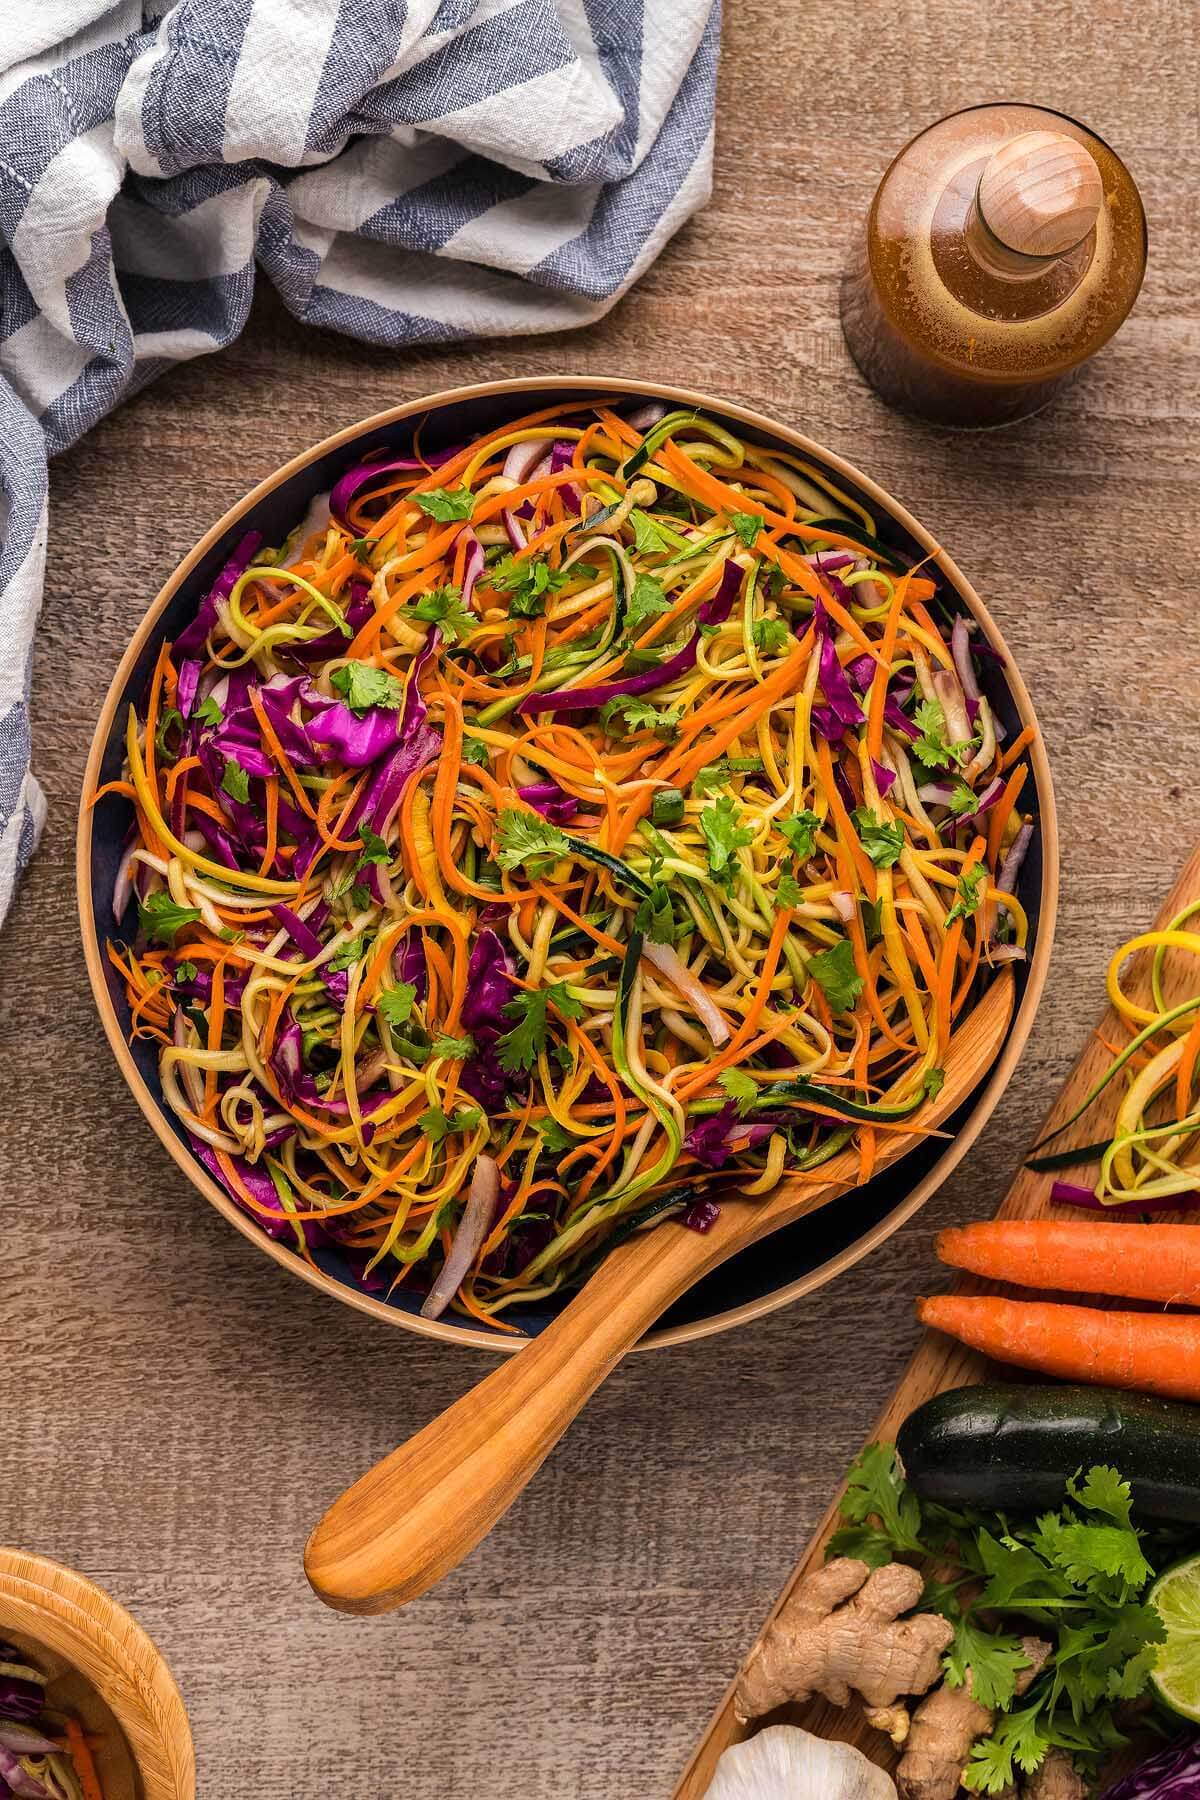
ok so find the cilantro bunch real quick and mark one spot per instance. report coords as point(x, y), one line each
point(1076, 1576)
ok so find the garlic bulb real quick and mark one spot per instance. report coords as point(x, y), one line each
point(785, 1763)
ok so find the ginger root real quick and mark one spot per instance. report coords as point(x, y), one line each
point(944, 1727)
point(842, 1631)
point(1056, 1780)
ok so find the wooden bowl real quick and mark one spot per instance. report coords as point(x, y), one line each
point(105, 1670)
point(787, 1265)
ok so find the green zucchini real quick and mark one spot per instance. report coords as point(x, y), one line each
point(1015, 1447)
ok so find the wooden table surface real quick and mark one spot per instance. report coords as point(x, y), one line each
point(178, 1412)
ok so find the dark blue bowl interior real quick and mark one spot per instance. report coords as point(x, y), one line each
point(788, 1255)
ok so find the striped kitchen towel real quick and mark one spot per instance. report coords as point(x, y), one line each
point(406, 171)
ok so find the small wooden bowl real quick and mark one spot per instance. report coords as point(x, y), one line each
point(789, 1264)
point(104, 1670)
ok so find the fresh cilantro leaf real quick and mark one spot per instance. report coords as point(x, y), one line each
point(871, 914)
point(655, 917)
point(374, 849)
point(882, 839)
point(161, 918)
point(724, 837)
point(647, 601)
point(875, 1489)
point(209, 711)
point(962, 800)
point(555, 1136)
point(800, 832)
point(519, 1048)
point(1017, 1742)
point(769, 635)
point(528, 581)
point(360, 895)
point(361, 547)
point(1084, 1552)
point(933, 1082)
point(362, 687)
point(741, 1088)
point(747, 526)
point(444, 607)
point(931, 746)
point(346, 955)
point(527, 841)
point(454, 1049)
point(474, 750)
point(437, 1125)
point(1103, 1491)
point(993, 1661)
point(171, 721)
point(444, 504)
point(835, 974)
point(648, 539)
point(185, 971)
point(639, 715)
point(969, 896)
point(235, 781)
point(395, 1004)
point(788, 891)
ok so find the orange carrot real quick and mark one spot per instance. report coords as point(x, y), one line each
point(81, 1757)
point(1153, 1352)
point(1081, 1256)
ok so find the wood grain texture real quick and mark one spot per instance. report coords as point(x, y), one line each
point(179, 1411)
point(939, 1363)
point(103, 1670)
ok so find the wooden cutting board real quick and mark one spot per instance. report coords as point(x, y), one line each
point(940, 1363)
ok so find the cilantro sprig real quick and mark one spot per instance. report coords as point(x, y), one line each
point(520, 1047)
point(1076, 1575)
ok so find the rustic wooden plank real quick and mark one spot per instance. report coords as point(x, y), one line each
point(178, 1411)
point(938, 1363)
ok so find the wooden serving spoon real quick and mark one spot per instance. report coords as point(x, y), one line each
point(416, 1514)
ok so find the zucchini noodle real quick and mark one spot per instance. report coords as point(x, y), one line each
point(575, 821)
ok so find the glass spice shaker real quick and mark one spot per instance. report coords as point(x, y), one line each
point(1004, 246)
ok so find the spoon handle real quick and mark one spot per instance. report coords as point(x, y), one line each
point(415, 1515)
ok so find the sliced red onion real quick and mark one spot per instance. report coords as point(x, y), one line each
point(936, 793)
point(301, 934)
point(522, 459)
point(472, 1229)
point(960, 647)
point(122, 892)
point(1069, 1193)
point(681, 978)
point(1010, 868)
point(473, 565)
point(647, 416)
point(512, 525)
point(1004, 953)
point(25, 1741)
point(20, 1783)
point(317, 518)
point(954, 705)
point(843, 904)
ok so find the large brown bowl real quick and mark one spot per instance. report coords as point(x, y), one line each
point(792, 1262)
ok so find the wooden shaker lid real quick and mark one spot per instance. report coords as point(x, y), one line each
point(1041, 193)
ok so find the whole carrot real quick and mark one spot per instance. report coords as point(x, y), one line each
point(1081, 1256)
point(1151, 1352)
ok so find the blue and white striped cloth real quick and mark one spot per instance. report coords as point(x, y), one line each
point(406, 171)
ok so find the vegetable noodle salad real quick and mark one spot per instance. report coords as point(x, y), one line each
point(553, 828)
point(1151, 1162)
point(44, 1754)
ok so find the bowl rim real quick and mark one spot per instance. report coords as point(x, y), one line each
point(62, 1609)
point(986, 1098)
